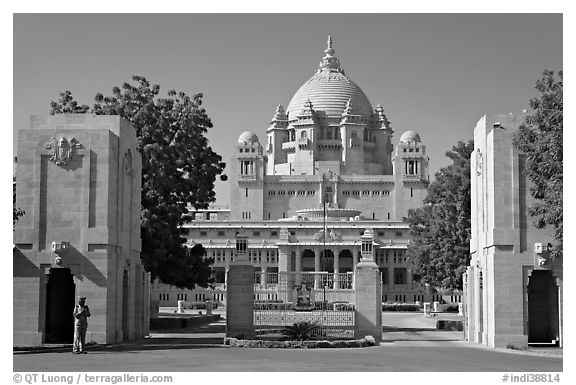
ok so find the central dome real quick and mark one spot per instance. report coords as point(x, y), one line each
point(329, 91)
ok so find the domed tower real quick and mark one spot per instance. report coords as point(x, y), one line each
point(247, 178)
point(329, 125)
point(410, 171)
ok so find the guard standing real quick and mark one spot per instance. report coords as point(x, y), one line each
point(81, 314)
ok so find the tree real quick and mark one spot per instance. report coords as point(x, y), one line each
point(178, 171)
point(439, 251)
point(540, 139)
point(16, 212)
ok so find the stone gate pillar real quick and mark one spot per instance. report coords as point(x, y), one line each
point(368, 292)
point(79, 182)
point(240, 293)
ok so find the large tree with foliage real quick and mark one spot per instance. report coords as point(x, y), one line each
point(439, 251)
point(540, 138)
point(179, 169)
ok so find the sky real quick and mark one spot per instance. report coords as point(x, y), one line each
point(436, 74)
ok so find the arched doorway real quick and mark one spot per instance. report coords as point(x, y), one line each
point(542, 308)
point(308, 260)
point(327, 261)
point(60, 293)
point(346, 261)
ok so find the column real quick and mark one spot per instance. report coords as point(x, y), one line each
point(317, 252)
point(298, 266)
point(354, 258)
point(391, 277)
point(368, 293)
point(283, 259)
point(263, 278)
point(336, 268)
point(409, 279)
point(240, 293)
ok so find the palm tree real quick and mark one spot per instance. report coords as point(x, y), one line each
point(300, 331)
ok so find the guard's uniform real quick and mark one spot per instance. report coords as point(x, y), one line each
point(81, 314)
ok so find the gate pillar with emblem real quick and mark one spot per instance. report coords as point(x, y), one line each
point(240, 293)
point(78, 180)
point(368, 292)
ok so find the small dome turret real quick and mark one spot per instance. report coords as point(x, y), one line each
point(410, 137)
point(248, 137)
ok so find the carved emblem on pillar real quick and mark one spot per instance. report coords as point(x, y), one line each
point(478, 162)
point(128, 163)
point(62, 150)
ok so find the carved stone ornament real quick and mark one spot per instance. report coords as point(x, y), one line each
point(332, 236)
point(128, 163)
point(62, 150)
point(478, 162)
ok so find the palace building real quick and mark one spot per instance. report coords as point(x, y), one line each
point(324, 174)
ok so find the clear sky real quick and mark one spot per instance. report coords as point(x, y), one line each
point(436, 74)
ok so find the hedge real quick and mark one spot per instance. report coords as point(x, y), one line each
point(401, 307)
point(240, 343)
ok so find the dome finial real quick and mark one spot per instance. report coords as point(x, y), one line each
point(329, 49)
point(330, 61)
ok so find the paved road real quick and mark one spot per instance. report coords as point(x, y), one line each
point(409, 345)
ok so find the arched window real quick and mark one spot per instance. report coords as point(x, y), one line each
point(353, 135)
point(303, 135)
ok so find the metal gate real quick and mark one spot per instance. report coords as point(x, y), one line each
point(285, 298)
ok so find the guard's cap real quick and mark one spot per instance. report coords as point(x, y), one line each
point(80, 297)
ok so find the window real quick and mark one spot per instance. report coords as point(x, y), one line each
point(400, 276)
point(203, 233)
point(273, 233)
point(256, 233)
point(221, 233)
point(398, 233)
point(353, 135)
point(303, 135)
point(246, 192)
point(380, 233)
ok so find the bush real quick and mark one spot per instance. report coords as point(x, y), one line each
point(361, 343)
point(344, 306)
point(300, 331)
point(274, 306)
point(400, 307)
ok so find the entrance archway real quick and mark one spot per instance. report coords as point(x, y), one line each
point(346, 261)
point(327, 261)
point(308, 260)
point(60, 293)
point(542, 308)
